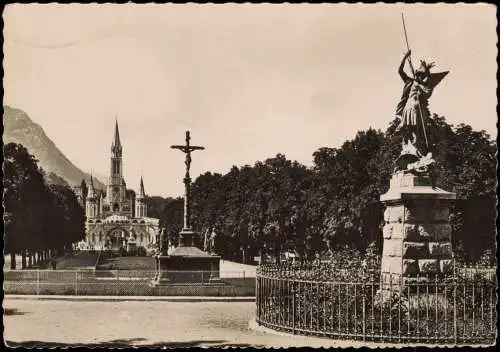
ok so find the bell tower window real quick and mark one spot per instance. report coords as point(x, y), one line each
point(116, 167)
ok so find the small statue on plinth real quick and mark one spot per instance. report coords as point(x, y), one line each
point(162, 242)
point(205, 240)
point(131, 237)
point(211, 242)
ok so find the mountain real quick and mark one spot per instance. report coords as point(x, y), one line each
point(19, 128)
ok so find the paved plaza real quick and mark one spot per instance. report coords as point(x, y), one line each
point(151, 324)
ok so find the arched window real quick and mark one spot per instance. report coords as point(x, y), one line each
point(93, 237)
point(141, 237)
point(100, 236)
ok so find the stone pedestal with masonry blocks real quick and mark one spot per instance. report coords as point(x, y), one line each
point(417, 232)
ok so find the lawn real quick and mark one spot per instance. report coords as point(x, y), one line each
point(78, 260)
point(86, 259)
point(227, 268)
point(128, 263)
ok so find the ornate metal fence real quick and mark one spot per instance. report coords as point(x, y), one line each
point(457, 309)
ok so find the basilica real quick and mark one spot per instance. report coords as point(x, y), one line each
point(117, 218)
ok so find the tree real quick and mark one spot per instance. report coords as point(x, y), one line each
point(172, 218)
point(67, 219)
point(85, 189)
point(279, 205)
point(24, 195)
point(54, 179)
point(346, 188)
point(37, 217)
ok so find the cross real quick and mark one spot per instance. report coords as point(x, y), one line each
point(187, 149)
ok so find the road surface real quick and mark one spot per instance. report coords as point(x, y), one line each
point(151, 324)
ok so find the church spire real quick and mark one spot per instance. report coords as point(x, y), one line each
point(91, 193)
point(91, 206)
point(140, 202)
point(116, 146)
point(141, 190)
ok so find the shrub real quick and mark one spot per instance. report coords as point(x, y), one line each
point(487, 258)
point(341, 297)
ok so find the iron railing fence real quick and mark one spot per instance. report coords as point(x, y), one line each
point(125, 282)
point(457, 309)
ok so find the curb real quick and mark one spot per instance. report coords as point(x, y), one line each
point(252, 325)
point(307, 340)
point(130, 298)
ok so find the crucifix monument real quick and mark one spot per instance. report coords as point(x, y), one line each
point(187, 263)
point(186, 235)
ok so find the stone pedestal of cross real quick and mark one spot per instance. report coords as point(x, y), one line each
point(186, 235)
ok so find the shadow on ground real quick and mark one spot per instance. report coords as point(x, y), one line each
point(123, 343)
point(12, 311)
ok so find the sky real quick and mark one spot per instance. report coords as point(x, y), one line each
point(249, 81)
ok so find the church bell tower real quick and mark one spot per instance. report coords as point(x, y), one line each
point(116, 185)
point(140, 202)
point(91, 202)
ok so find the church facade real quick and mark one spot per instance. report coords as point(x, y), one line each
point(117, 218)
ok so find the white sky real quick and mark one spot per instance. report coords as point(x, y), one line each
point(249, 81)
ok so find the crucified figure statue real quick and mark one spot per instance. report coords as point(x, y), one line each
point(187, 149)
